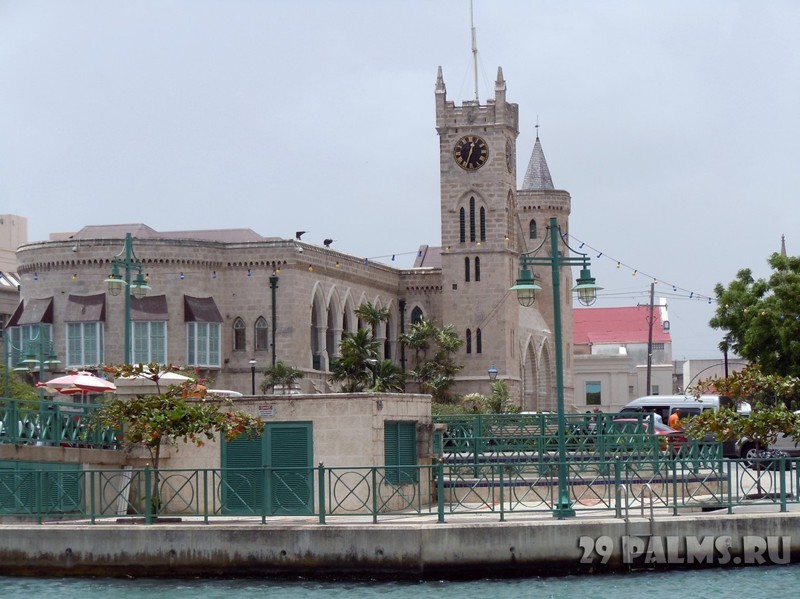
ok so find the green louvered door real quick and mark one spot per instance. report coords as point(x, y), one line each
point(271, 474)
point(289, 453)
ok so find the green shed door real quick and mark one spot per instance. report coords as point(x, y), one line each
point(276, 467)
point(289, 453)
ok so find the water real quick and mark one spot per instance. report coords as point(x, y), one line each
point(715, 583)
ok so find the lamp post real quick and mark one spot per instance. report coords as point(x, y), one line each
point(138, 288)
point(38, 355)
point(273, 285)
point(253, 376)
point(587, 294)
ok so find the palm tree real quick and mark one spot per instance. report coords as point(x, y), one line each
point(389, 377)
point(282, 375)
point(435, 374)
point(372, 315)
point(353, 366)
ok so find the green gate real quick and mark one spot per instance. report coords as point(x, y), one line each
point(271, 474)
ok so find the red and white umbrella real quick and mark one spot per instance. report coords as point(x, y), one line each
point(79, 382)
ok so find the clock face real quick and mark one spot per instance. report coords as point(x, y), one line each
point(470, 152)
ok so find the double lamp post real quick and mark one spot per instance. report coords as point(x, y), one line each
point(586, 289)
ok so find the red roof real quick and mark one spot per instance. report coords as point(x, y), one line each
point(617, 325)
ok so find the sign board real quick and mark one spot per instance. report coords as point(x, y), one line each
point(266, 410)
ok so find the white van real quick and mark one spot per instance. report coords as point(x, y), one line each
point(689, 405)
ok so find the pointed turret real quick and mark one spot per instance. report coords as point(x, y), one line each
point(783, 246)
point(538, 175)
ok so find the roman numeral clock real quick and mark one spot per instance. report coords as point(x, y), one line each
point(471, 152)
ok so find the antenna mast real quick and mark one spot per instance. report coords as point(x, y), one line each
point(474, 51)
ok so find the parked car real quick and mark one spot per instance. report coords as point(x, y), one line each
point(784, 446)
point(669, 437)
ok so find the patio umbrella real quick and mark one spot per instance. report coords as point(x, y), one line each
point(79, 382)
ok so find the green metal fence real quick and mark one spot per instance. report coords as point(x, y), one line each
point(52, 423)
point(441, 491)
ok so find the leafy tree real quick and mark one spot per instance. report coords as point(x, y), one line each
point(772, 398)
point(17, 389)
point(280, 375)
point(434, 348)
point(499, 402)
point(762, 317)
point(353, 367)
point(177, 413)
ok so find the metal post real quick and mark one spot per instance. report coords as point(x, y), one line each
point(563, 506)
point(253, 377)
point(273, 285)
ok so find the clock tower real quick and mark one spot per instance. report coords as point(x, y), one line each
point(483, 234)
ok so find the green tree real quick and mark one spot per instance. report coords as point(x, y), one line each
point(435, 367)
point(17, 389)
point(772, 398)
point(762, 317)
point(177, 413)
point(280, 375)
point(372, 315)
point(389, 377)
point(353, 367)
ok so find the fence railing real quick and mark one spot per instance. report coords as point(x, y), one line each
point(24, 422)
point(445, 489)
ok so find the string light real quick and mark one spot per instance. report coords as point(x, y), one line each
point(636, 271)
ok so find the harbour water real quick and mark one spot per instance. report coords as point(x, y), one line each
point(713, 583)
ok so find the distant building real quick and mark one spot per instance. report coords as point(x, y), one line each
point(13, 233)
point(611, 355)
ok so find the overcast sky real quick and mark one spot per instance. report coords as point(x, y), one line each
point(674, 124)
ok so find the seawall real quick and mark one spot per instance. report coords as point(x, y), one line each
point(458, 550)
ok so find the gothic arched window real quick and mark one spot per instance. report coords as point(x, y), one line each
point(477, 269)
point(261, 337)
point(472, 219)
point(462, 224)
point(478, 342)
point(239, 335)
point(469, 341)
point(466, 269)
point(416, 315)
point(483, 223)
point(532, 226)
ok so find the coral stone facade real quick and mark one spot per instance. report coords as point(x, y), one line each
point(219, 299)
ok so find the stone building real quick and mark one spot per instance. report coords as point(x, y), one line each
point(219, 299)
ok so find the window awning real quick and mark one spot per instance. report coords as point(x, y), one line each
point(200, 309)
point(149, 308)
point(86, 308)
point(32, 311)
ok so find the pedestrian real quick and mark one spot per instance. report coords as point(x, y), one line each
point(675, 419)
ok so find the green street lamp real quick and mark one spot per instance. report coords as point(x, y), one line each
point(39, 356)
point(586, 289)
point(116, 282)
point(273, 285)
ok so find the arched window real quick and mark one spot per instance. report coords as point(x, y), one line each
point(260, 334)
point(416, 315)
point(483, 223)
point(239, 335)
point(477, 269)
point(466, 269)
point(472, 219)
point(462, 224)
point(469, 341)
point(532, 227)
point(478, 342)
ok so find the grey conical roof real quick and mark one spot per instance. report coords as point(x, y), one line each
point(538, 175)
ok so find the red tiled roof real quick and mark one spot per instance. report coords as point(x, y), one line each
point(617, 325)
